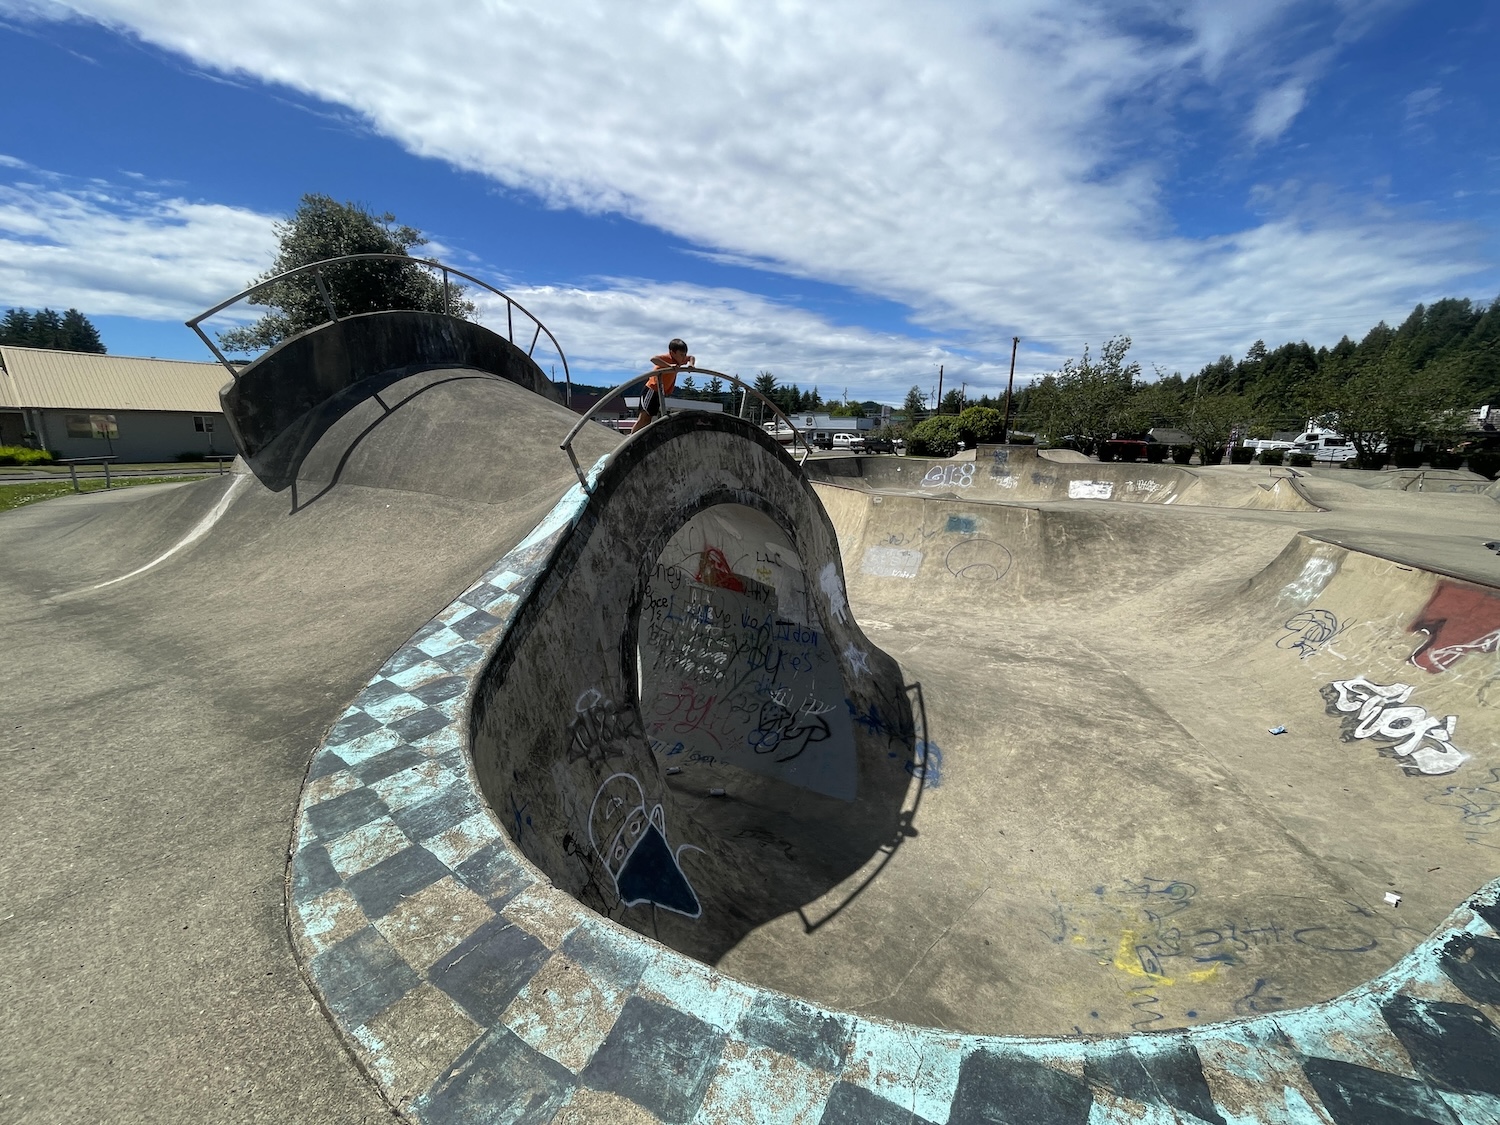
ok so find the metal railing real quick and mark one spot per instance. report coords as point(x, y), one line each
point(588, 416)
point(512, 306)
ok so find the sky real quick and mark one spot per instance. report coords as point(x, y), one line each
point(846, 193)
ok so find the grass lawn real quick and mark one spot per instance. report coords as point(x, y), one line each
point(15, 495)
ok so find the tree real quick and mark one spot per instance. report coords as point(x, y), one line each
point(70, 332)
point(765, 383)
point(937, 437)
point(916, 403)
point(1382, 401)
point(322, 228)
point(953, 402)
point(1092, 395)
point(714, 388)
point(1209, 420)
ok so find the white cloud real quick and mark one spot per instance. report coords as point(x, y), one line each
point(978, 163)
point(610, 331)
point(106, 250)
point(1276, 109)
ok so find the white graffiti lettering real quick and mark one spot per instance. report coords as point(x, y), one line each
point(1090, 489)
point(951, 476)
point(1382, 711)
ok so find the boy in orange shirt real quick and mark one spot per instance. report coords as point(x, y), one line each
point(662, 384)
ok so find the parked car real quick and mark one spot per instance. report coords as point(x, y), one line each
point(822, 441)
point(879, 445)
point(855, 443)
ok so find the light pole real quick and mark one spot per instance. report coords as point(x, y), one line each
point(1015, 342)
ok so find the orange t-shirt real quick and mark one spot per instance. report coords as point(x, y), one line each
point(668, 379)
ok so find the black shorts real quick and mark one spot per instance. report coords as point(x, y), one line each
point(651, 402)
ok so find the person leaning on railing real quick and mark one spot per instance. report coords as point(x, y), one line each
point(662, 383)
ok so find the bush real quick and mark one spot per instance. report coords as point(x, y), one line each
point(1441, 459)
point(1271, 456)
point(24, 455)
point(980, 424)
point(1021, 439)
point(1373, 460)
point(1300, 460)
point(1182, 454)
point(192, 455)
point(1241, 455)
point(1486, 464)
point(1156, 452)
point(1407, 459)
point(936, 437)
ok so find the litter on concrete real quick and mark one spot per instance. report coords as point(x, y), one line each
point(1392, 898)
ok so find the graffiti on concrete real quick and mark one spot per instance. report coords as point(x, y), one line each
point(978, 559)
point(1381, 711)
point(857, 659)
point(1459, 621)
point(891, 562)
point(1161, 934)
point(949, 476)
point(728, 681)
point(1478, 807)
point(631, 841)
point(1309, 632)
point(926, 764)
point(1315, 575)
point(833, 589)
point(1147, 487)
point(600, 730)
point(1091, 489)
point(714, 570)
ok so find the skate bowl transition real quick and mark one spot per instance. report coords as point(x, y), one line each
point(881, 790)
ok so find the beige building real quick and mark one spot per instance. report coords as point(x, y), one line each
point(83, 405)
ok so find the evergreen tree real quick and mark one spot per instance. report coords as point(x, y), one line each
point(916, 403)
point(71, 331)
point(322, 228)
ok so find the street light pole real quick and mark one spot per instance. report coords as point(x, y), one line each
point(940, 389)
point(1015, 342)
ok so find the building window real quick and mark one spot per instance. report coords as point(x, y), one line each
point(203, 424)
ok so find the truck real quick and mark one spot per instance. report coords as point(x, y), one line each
point(1321, 442)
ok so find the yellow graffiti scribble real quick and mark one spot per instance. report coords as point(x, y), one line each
point(1128, 960)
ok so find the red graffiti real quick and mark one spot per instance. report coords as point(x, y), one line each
point(714, 570)
point(1458, 620)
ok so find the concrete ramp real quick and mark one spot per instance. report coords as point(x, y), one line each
point(1016, 474)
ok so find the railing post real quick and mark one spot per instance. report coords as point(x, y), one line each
point(73, 472)
point(447, 304)
point(106, 476)
point(327, 300)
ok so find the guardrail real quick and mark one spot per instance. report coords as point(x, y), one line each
point(512, 306)
point(567, 443)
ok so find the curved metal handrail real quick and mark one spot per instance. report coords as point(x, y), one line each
point(316, 269)
point(588, 416)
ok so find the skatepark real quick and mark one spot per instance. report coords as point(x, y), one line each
point(408, 771)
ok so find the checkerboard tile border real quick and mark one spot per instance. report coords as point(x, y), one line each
point(472, 990)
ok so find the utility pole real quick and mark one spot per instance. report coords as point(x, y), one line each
point(1015, 342)
point(939, 408)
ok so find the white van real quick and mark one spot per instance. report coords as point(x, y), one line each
point(855, 443)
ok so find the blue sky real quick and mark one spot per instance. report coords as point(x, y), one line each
point(847, 193)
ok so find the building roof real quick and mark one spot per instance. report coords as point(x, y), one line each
point(45, 379)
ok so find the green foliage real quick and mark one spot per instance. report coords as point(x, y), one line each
point(69, 332)
point(1241, 455)
point(980, 424)
point(915, 404)
point(1209, 420)
point(952, 403)
point(846, 410)
point(23, 455)
point(1090, 398)
point(1299, 460)
point(1271, 456)
point(1181, 454)
point(936, 437)
point(322, 228)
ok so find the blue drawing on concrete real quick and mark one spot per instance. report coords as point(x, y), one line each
point(639, 859)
